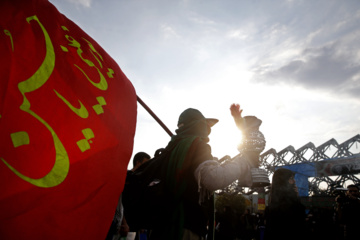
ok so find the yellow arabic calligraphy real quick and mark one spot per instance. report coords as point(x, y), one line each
point(61, 166)
point(102, 84)
point(9, 34)
point(81, 112)
point(93, 51)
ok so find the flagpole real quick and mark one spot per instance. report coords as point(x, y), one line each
point(154, 116)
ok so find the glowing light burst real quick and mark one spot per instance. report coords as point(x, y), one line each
point(224, 139)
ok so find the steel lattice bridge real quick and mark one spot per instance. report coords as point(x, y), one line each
point(319, 170)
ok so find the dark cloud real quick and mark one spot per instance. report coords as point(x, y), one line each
point(331, 68)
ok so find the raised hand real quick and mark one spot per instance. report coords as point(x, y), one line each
point(236, 113)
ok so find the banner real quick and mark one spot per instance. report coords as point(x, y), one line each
point(332, 167)
point(67, 125)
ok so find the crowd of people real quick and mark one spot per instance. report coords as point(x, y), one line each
point(288, 218)
point(192, 176)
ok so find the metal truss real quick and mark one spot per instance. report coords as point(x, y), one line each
point(309, 153)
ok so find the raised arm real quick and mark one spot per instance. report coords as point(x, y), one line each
point(236, 113)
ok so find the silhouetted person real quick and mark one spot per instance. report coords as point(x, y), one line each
point(247, 223)
point(139, 159)
point(227, 221)
point(349, 212)
point(193, 175)
point(285, 215)
point(119, 226)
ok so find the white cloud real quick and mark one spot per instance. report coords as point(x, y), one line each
point(200, 20)
point(331, 66)
point(313, 35)
point(168, 32)
point(237, 34)
point(85, 3)
point(277, 30)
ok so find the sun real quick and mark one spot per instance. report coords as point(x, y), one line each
point(224, 139)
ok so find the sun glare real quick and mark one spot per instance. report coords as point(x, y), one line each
point(224, 140)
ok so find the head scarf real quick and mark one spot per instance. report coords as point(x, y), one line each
point(282, 192)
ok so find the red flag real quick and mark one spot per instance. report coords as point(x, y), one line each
point(67, 125)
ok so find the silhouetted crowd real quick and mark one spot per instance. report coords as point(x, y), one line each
point(187, 178)
point(340, 222)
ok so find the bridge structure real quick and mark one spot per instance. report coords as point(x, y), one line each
point(319, 170)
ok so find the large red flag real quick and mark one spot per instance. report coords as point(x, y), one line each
point(67, 125)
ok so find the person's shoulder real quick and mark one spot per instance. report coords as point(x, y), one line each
point(199, 152)
point(199, 143)
point(129, 174)
point(203, 149)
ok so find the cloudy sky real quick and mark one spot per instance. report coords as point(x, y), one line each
point(295, 64)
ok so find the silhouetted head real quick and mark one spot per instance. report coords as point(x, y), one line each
point(192, 115)
point(140, 158)
point(281, 178)
point(283, 187)
point(193, 123)
point(353, 190)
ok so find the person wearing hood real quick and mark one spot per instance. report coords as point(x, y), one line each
point(285, 215)
point(193, 175)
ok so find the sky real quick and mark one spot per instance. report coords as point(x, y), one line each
point(294, 64)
